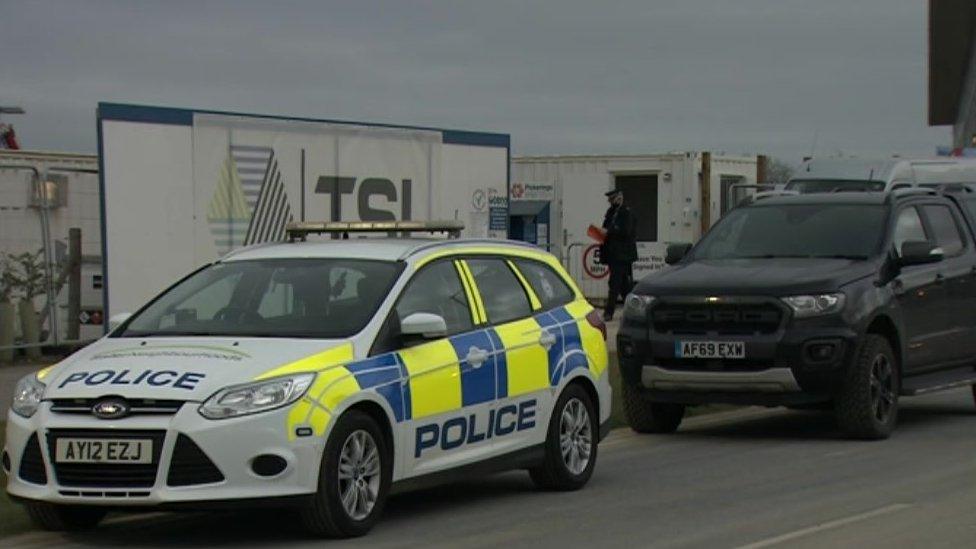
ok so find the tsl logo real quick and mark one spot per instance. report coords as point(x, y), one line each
point(369, 187)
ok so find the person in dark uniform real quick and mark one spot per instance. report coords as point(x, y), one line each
point(619, 249)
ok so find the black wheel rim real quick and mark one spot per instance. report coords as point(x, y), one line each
point(882, 388)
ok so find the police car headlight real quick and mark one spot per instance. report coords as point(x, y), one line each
point(635, 306)
point(252, 398)
point(27, 396)
point(815, 305)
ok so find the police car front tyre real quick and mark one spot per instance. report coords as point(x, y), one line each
point(64, 518)
point(571, 443)
point(354, 479)
point(644, 416)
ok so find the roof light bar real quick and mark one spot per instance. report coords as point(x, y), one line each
point(299, 231)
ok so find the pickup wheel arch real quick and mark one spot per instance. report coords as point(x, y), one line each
point(882, 325)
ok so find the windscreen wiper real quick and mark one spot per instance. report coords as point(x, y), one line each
point(174, 334)
point(772, 256)
point(841, 256)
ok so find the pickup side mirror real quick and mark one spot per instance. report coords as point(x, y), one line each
point(919, 252)
point(424, 326)
point(676, 252)
point(117, 320)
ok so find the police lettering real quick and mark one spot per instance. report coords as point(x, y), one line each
point(153, 378)
point(464, 430)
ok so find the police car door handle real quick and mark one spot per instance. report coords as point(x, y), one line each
point(547, 339)
point(476, 357)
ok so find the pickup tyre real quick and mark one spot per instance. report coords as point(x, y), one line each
point(650, 417)
point(867, 404)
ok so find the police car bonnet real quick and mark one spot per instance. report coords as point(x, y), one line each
point(191, 369)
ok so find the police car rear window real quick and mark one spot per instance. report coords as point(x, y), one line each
point(501, 292)
point(548, 286)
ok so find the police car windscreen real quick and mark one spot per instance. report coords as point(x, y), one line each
point(312, 298)
point(842, 231)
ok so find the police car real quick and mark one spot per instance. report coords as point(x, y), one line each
point(320, 374)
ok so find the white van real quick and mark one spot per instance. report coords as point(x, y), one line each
point(885, 174)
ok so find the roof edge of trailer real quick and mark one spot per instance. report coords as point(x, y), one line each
point(129, 112)
point(648, 156)
point(47, 156)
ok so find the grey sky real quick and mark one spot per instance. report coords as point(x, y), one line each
point(559, 76)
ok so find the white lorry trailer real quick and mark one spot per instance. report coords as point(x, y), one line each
point(184, 187)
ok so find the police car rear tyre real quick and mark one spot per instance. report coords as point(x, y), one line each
point(354, 479)
point(650, 417)
point(571, 443)
point(64, 518)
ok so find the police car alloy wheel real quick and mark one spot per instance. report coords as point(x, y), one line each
point(570, 449)
point(359, 474)
point(354, 479)
point(575, 436)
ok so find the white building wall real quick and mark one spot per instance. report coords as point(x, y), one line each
point(20, 223)
point(581, 181)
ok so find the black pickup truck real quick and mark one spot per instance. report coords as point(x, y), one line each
point(844, 301)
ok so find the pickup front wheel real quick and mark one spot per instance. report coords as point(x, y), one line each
point(650, 417)
point(867, 406)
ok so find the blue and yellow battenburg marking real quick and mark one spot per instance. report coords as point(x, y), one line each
point(434, 378)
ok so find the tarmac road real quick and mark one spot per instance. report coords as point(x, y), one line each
point(754, 478)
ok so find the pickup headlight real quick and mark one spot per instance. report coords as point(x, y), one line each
point(27, 395)
point(636, 305)
point(814, 305)
point(252, 398)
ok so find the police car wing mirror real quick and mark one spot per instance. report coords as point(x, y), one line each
point(423, 325)
point(117, 320)
point(676, 252)
point(920, 252)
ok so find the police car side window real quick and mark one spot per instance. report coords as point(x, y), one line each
point(437, 289)
point(549, 287)
point(501, 292)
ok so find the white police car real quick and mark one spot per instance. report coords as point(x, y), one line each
point(319, 374)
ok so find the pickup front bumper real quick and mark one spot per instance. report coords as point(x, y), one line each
point(799, 362)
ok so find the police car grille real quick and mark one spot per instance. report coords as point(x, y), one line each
point(190, 465)
point(32, 463)
point(722, 319)
point(137, 406)
point(106, 475)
